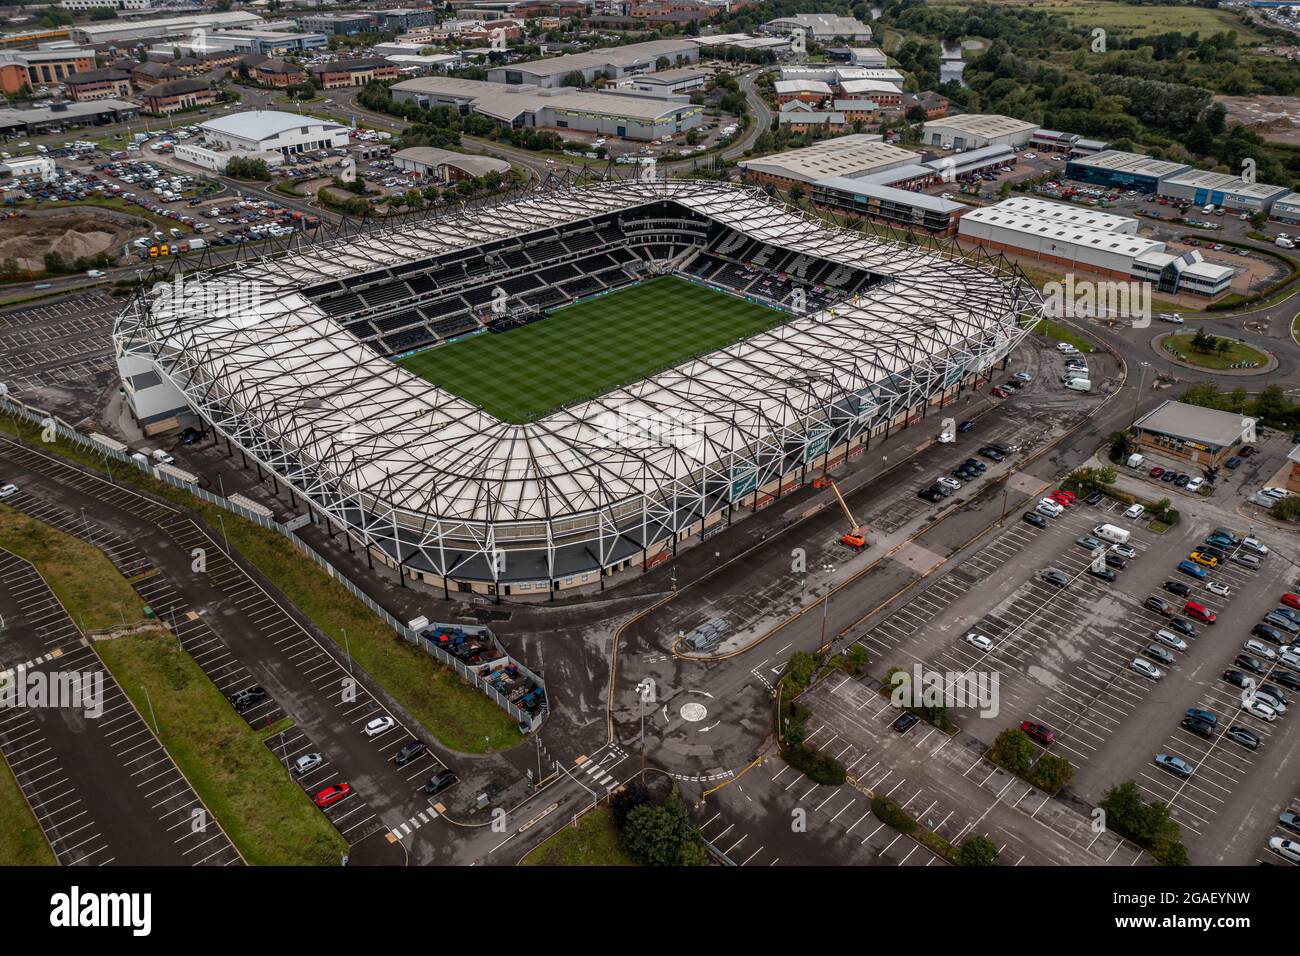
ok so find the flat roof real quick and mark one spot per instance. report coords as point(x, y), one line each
point(74, 109)
point(983, 124)
point(1209, 426)
point(628, 55)
point(855, 87)
point(862, 187)
point(1225, 182)
point(1086, 237)
point(1066, 213)
point(165, 25)
point(842, 156)
point(801, 86)
point(261, 124)
point(1290, 199)
point(507, 101)
point(1117, 160)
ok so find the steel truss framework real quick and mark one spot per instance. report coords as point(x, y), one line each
point(441, 487)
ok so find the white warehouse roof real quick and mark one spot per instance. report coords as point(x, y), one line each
point(263, 124)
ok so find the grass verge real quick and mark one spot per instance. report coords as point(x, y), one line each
point(1060, 333)
point(593, 842)
point(1181, 345)
point(22, 842)
point(455, 713)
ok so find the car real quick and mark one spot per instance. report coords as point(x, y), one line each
point(1182, 627)
point(1060, 499)
point(331, 794)
point(1233, 463)
point(1159, 605)
point(1040, 732)
point(906, 722)
point(439, 782)
point(1245, 451)
point(8, 491)
point(379, 725)
point(1244, 736)
point(1177, 587)
point(1230, 540)
point(1169, 475)
point(1272, 697)
point(1204, 560)
point(1126, 551)
point(1239, 679)
point(1259, 709)
point(1198, 727)
point(1115, 561)
point(1252, 664)
point(411, 750)
point(1035, 519)
point(1199, 612)
point(1146, 669)
point(1089, 543)
point(1218, 540)
point(1255, 546)
point(1158, 653)
point(1188, 568)
point(1182, 481)
point(1289, 656)
point(1290, 600)
point(992, 453)
point(1023, 377)
point(307, 763)
point(1169, 638)
point(1286, 612)
point(1049, 507)
point(1104, 574)
point(931, 494)
point(1095, 498)
point(1271, 634)
point(1222, 590)
point(1280, 621)
point(1000, 392)
point(952, 483)
point(1175, 765)
point(965, 426)
point(1156, 472)
point(1287, 849)
point(1133, 512)
point(1054, 576)
point(975, 464)
point(978, 641)
point(1287, 679)
point(1069, 496)
point(1212, 552)
point(1289, 821)
point(1260, 649)
point(1246, 560)
point(1195, 484)
point(247, 698)
point(1065, 348)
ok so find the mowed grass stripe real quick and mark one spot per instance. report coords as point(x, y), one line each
point(584, 350)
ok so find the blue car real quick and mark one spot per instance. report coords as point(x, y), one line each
point(1192, 569)
point(1232, 463)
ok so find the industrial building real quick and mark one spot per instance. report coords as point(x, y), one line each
point(114, 30)
point(743, 41)
point(852, 156)
point(867, 56)
point(821, 27)
point(339, 24)
point(667, 82)
point(1201, 187)
point(609, 113)
point(1116, 169)
point(95, 112)
point(898, 207)
point(1287, 209)
point(1202, 436)
point(267, 42)
point(446, 166)
point(264, 131)
point(974, 130)
point(612, 63)
point(1098, 243)
point(839, 75)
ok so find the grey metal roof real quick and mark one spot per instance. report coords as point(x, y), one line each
point(1209, 426)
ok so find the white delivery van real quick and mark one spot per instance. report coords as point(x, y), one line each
point(1079, 385)
point(1136, 461)
point(1112, 533)
point(1207, 210)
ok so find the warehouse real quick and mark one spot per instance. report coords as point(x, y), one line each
point(974, 130)
point(1287, 209)
point(867, 56)
point(667, 82)
point(1202, 436)
point(973, 161)
point(838, 75)
point(1201, 187)
point(1095, 242)
point(260, 131)
point(612, 63)
point(743, 41)
point(268, 42)
point(619, 114)
point(1116, 169)
point(821, 26)
point(888, 204)
point(446, 166)
point(852, 156)
point(96, 112)
point(164, 27)
point(813, 92)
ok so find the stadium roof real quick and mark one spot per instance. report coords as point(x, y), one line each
point(284, 376)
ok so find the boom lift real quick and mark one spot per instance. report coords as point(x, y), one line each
point(855, 539)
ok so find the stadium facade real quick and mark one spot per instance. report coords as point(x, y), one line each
point(289, 360)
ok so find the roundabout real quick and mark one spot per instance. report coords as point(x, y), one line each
point(1239, 359)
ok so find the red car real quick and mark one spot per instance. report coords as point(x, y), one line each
point(1040, 732)
point(1291, 600)
point(1000, 392)
point(1199, 612)
point(1156, 472)
point(1060, 499)
point(1068, 494)
point(332, 794)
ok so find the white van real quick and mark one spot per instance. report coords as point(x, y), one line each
point(161, 456)
point(1112, 533)
point(1207, 210)
point(1079, 385)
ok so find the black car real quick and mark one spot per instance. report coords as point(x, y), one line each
point(931, 494)
point(1253, 664)
point(1095, 498)
point(409, 751)
point(966, 426)
point(439, 782)
point(1212, 552)
point(1238, 679)
point(992, 454)
point(248, 697)
point(1116, 562)
point(1287, 679)
point(1037, 520)
point(1247, 738)
point(1182, 480)
point(1202, 728)
point(1270, 634)
point(1159, 605)
point(1169, 476)
point(191, 436)
point(1106, 574)
point(906, 722)
point(1183, 627)
point(965, 474)
point(1177, 587)
point(1055, 576)
point(976, 464)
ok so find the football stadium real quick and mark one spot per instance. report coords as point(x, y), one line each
point(539, 393)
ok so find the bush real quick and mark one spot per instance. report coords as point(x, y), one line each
point(1146, 824)
point(978, 851)
point(654, 835)
point(1013, 750)
point(857, 657)
point(816, 766)
point(1051, 773)
point(891, 814)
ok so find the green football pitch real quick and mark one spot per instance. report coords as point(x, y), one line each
point(584, 350)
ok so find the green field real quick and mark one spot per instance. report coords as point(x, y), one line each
point(584, 350)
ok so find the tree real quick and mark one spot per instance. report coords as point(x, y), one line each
point(857, 657)
point(1288, 509)
point(1051, 773)
point(1120, 445)
point(654, 834)
point(634, 794)
point(1013, 750)
point(978, 851)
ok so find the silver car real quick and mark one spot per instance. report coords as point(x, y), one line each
point(1146, 669)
